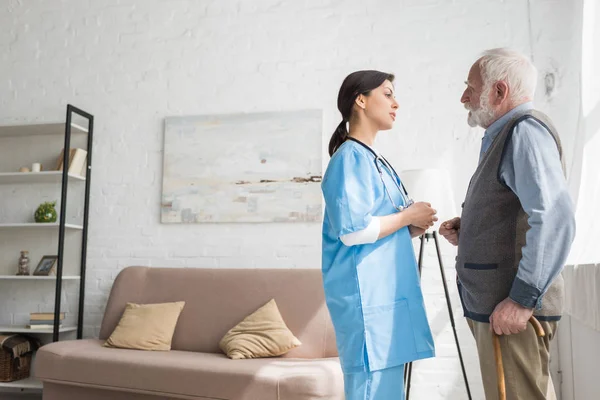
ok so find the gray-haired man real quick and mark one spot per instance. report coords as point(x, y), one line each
point(516, 227)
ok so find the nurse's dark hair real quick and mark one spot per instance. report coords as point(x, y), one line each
point(355, 84)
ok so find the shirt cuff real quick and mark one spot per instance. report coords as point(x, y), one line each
point(525, 294)
point(364, 236)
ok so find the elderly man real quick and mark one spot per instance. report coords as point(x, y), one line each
point(516, 228)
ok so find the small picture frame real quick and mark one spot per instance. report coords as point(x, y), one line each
point(46, 266)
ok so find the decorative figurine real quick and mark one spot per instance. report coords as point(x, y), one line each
point(23, 263)
point(46, 212)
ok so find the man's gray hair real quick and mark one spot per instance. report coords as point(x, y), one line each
point(512, 67)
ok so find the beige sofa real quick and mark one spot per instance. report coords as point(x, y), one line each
point(195, 368)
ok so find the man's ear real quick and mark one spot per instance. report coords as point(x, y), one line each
point(500, 92)
point(360, 101)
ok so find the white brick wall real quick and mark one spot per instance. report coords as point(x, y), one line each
point(132, 63)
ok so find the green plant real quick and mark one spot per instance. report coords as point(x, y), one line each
point(46, 212)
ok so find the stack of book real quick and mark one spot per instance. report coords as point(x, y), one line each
point(77, 162)
point(43, 320)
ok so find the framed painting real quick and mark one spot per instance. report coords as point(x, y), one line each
point(256, 167)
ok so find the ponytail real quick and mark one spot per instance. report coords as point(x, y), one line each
point(338, 137)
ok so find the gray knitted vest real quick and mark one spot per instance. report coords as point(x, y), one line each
point(492, 234)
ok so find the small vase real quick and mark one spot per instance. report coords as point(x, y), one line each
point(23, 263)
point(46, 212)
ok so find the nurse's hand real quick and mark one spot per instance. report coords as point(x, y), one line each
point(421, 215)
point(416, 231)
point(450, 230)
point(509, 317)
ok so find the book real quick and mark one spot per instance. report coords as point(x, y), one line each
point(44, 322)
point(42, 326)
point(59, 163)
point(44, 316)
point(77, 162)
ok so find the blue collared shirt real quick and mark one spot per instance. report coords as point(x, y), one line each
point(532, 169)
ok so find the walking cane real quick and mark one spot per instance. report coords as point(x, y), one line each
point(498, 356)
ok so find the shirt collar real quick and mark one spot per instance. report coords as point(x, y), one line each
point(494, 129)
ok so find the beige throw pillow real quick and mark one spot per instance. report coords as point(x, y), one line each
point(146, 326)
point(261, 334)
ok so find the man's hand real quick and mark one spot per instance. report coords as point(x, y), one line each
point(509, 318)
point(449, 230)
point(415, 231)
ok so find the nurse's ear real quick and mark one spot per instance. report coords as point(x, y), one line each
point(360, 101)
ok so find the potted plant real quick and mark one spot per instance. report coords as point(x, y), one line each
point(46, 212)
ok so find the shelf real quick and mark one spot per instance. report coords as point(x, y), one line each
point(28, 383)
point(38, 278)
point(23, 329)
point(36, 177)
point(39, 129)
point(39, 139)
point(39, 225)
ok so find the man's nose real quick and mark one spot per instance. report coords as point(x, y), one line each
point(464, 98)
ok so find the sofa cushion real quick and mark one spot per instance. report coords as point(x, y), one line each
point(146, 326)
point(261, 334)
point(184, 373)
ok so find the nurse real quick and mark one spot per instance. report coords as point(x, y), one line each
point(370, 274)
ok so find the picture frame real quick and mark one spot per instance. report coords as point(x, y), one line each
point(274, 168)
point(46, 266)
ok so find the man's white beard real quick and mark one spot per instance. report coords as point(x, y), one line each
point(482, 116)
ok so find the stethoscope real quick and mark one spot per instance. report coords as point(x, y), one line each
point(380, 159)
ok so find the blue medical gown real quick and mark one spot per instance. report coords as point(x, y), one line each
point(372, 291)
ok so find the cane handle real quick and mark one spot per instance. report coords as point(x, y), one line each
point(539, 331)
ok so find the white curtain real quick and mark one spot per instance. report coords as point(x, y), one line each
point(582, 275)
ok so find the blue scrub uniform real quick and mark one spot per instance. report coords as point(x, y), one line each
point(372, 291)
